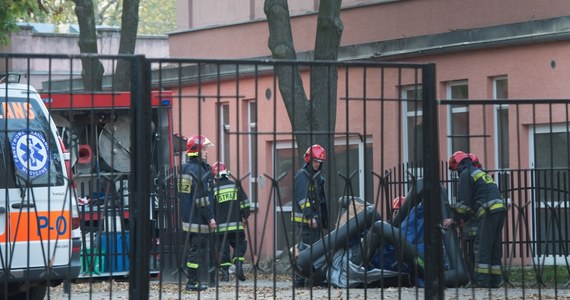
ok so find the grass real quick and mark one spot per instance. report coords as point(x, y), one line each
point(549, 276)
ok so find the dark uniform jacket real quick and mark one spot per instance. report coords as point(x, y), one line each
point(193, 190)
point(231, 205)
point(477, 193)
point(310, 200)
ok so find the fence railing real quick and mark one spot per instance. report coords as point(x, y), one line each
point(381, 127)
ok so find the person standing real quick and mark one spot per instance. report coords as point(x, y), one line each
point(232, 207)
point(197, 215)
point(310, 206)
point(478, 198)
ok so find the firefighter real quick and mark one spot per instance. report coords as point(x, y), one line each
point(310, 205)
point(475, 160)
point(197, 215)
point(232, 208)
point(478, 198)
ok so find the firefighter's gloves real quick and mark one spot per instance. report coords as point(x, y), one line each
point(448, 222)
point(212, 223)
point(313, 223)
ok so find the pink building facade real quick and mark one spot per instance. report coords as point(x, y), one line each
point(483, 50)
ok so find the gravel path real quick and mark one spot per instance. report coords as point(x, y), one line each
point(264, 289)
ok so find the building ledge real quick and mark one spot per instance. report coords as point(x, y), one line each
point(538, 31)
point(531, 32)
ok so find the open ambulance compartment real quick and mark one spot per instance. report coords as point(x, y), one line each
point(96, 128)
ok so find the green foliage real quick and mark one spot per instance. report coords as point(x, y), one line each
point(54, 12)
point(108, 12)
point(14, 11)
point(157, 16)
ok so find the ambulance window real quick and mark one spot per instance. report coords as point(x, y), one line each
point(29, 147)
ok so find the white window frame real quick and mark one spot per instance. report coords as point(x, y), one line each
point(251, 129)
point(338, 142)
point(417, 172)
point(224, 151)
point(451, 111)
point(496, 140)
point(408, 114)
point(278, 209)
point(546, 128)
point(497, 107)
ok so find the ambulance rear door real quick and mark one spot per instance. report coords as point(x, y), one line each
point(35, 201)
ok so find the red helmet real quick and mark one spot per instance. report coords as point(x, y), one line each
point(195, 144)
point(397, 202)
point(475, 160)
point(219, 169)
point(316, 152)
point(455, 159)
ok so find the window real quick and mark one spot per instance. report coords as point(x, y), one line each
point(501, 91)
point(286, 162)
point(224, 134)
point(458, 127)
point(413, 123)
point(350, 157)
point(28, 150)
point(458, 117)
point(252, 154)
point(549, 156)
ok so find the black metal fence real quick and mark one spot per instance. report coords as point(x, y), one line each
point(382, 128)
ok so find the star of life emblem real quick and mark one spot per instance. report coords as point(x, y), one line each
point(31, 153)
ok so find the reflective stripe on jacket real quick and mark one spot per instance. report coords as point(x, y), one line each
point(231, 204)
point(310, 201)
point(477, 192)
point(194, 192)
point(491, 206)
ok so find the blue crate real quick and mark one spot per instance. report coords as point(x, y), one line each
point(116, 247)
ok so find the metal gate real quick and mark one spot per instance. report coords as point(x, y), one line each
point(387, 139)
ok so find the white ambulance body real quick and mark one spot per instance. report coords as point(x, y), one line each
point(39, 239)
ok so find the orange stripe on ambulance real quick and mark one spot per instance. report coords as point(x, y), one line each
point(31, 226)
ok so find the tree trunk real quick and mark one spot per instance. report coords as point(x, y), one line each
point(92, 69)
point(324, 78)
point(314, 121)
point(288, 76)
point(129, 25)
point(324, 85)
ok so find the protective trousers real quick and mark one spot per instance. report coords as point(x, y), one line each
point(488, 250)
point(199, 244)
point(238, 243)
point(308, 237)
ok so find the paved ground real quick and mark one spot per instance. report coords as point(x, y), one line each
point(266, 289)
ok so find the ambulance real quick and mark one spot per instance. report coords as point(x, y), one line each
point(40, 239)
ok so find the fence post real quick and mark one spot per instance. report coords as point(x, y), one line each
point(139, 192)
point(434, 285)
